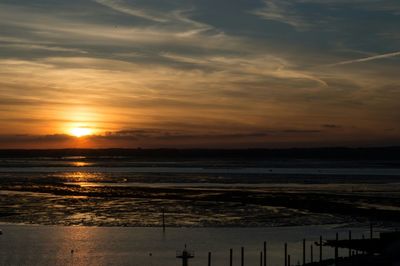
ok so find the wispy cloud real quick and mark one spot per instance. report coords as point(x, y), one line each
point(366, 59)
point(281, 11)
point(185, 69)
point(171, 17)
point(309, 14)
point(41, 47)
point(180, 30)
point(122, 7)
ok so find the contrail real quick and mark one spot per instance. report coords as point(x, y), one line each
point(120, 7)
point(370, 58)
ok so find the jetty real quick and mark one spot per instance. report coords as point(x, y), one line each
point(381, 251)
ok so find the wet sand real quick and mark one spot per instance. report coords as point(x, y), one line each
point(127, 191)
point(235, 205)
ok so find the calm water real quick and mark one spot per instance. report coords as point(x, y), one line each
point(127, 169)
point(51, 245)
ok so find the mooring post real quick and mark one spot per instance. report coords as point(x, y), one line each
point(209, 258)
point(265, 253)
point(364, 251)
point(261, 258)
point(163, 219)
point(230, 257)
point(286, 257)
point(336, 249)
point(304, 251)
point(349, 243)
point(311, 254)
point(371, 230)
point(320, 249)
point(242, 256)
point(185, 255)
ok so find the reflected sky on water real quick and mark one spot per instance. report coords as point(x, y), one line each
point(52, 245)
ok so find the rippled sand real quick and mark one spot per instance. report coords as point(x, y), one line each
point(66, 204)
point(80, 191)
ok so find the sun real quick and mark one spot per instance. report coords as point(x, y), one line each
point(80, 132)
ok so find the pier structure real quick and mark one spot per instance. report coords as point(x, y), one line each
point(372, 251)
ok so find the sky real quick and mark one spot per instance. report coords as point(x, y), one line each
point(199, 73)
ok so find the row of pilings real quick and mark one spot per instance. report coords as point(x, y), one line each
point(287, 260)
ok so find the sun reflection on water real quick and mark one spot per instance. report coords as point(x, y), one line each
point(81, 164)
point(81, 176)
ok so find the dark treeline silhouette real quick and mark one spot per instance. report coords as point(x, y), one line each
point(337, 153)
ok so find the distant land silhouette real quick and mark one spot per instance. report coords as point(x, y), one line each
point(336, 153)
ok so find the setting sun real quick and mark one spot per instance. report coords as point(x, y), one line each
point(80, 132)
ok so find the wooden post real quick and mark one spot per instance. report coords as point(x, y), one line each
point(261, 258)
point(163, 219)
point(185, 255)
point(364, 251)
point(265, 253)
point(286, 257)
point(209, 258)
point(311, 254)
point(336, 249)
point(349, 243)
point(371, 231)
point(242, 257)
point(320, 249)
point(230, 257)
point(304, 252)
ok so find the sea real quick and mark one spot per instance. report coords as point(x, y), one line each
point(111, 210)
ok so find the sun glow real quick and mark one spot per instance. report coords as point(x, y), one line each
point(80, 132)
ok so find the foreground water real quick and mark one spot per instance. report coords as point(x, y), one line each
point(52, 245)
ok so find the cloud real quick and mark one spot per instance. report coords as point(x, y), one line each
point(165, 134)
point(149, 135)
point(264, 66)
point(177, 18)
point(366, 59)
point(176, 71)
point(41, 47)
point(34, 138)
point(320, 14)
point(283, 11)
point(330, 126)
point(122, 7)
